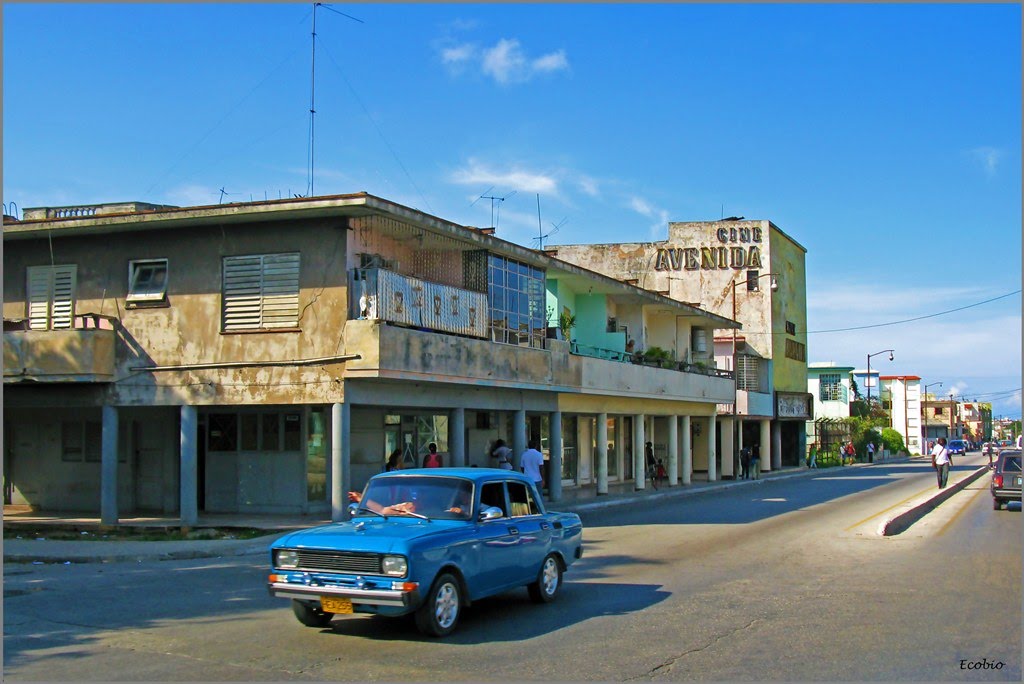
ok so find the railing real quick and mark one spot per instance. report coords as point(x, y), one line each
point(638, 359)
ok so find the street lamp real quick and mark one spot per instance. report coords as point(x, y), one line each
point(868, 381)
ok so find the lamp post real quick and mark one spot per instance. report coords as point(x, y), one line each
point(923, 399)
point(868, 380)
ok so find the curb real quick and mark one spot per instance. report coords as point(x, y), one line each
point(56, 558)
point(902, 521)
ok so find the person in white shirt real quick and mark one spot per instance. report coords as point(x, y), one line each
point(941, 462)
point(532, 461)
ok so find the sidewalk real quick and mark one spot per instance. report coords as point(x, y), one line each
point(42, 550)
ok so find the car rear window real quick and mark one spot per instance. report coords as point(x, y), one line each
point(1012, 463)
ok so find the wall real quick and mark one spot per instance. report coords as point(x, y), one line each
point(789, 303)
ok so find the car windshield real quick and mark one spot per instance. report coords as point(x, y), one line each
point(443, 498)
point(956, 444)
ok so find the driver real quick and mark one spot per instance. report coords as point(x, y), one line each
point(399, 508)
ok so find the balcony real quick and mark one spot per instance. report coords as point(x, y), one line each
point(83, 353)
point(389, 351)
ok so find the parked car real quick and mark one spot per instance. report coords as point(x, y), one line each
point(427, 542)
point(956, 446)
point(1006, 478)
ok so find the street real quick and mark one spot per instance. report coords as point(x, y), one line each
point(783, 581)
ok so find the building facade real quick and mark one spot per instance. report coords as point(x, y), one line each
point(901, 398)
point(748, 271)
point(269, 356)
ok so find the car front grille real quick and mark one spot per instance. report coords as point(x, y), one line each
point(340, 561)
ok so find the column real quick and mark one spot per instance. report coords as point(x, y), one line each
point(602, 453)
point(739, 435)
point(555, 461)
point(457, 438)
point(341, 477)
point(673, 450)
point(189, 477)
point(518, 438)
point(639, 457)
point(727, 450)
point(687, 464)
point(766, 444)
point(776, 445)
point(712, 447)
point(108, 467)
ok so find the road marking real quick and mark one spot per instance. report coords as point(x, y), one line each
point(962, 508)
point(895, 505)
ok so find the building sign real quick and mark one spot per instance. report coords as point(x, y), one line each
point(738, 248)
point(794, 405)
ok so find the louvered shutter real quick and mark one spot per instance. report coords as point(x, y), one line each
point(261, 292)
point(51, 296)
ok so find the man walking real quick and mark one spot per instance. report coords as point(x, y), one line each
point(755, 461)
point(532, 463)
point(941, 462)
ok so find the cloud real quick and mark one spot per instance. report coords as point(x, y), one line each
point(988, 158)
point(588, 186)
point(505, 62)
point(519, 179)
point(641, 206)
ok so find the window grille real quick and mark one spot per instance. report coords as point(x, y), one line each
point(748, 373)
point(831, 388)
point(261, 292)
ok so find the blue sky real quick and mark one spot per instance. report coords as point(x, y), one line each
point(885, 138)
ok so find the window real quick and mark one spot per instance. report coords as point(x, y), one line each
point(261, 292)
point(83, 440)
point(51, 296)
point(493, 494)
point(795, 350)
point(147, 283)
point(830, 387)
point(790, 328)
point(748, 373)
point(515, 295)
point(752, 280)
point(521, 501)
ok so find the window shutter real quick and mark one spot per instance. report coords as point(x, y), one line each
point(261, 292)
point(51, 296)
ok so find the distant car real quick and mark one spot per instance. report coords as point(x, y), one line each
point(427, 542)
point(1006, 478)
point(956, 446)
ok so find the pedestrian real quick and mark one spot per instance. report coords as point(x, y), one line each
point(532, 463)
point(988, 452)
point(394, 461)
point(650, 463)
point(941, 462)
point(432, 459)
point(745, 462)
point(755, 461)
point(871, 452)
point(503, 454)
point(812, 456)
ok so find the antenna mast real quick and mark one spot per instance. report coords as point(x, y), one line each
point(312, 110)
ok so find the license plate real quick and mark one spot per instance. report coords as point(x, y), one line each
point(338, 606)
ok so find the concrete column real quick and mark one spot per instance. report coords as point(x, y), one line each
point(727, 450)
point(766, 444)
point(776, 445)
point(739, 435)
point(687, 460)
point(341, 477)
point(189, 476)
point(712, 447)
point(555, 457)
point(673, 450)
point(639, 482)
point(108, 467)
point(457, 438)
point(602, 453)
point(518, 438)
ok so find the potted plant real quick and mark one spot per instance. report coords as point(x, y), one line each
point(566, 321)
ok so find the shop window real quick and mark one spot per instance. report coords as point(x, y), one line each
point(292, 431)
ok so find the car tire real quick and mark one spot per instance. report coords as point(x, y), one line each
point(549, 581)
point(310, 614)
point(439, 614)
point(996, 504)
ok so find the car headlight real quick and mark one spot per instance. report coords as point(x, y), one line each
point(396, 566)
point(286, 559)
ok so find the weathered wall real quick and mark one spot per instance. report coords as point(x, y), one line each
point(789, 304)
point(189, 330)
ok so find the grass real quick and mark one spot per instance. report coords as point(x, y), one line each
point(55, 533)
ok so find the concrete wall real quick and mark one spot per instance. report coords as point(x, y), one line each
point(789, 304)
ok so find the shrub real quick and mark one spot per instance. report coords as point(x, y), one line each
point(892, 440)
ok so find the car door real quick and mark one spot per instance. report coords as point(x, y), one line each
point(532, 527)
point(496, 545)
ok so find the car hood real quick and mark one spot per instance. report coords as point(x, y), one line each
point(366, 534)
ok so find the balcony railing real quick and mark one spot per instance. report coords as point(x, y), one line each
point(83, 353)
point(637, 358)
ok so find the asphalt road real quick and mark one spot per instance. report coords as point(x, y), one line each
point(785, 581)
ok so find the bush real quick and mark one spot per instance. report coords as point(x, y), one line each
point(893, 441)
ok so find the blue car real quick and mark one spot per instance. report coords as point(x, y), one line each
point(428, 542)
point(956, 446)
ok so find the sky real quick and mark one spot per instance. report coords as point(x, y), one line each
point(884, 138)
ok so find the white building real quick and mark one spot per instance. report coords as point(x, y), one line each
point(901, 397)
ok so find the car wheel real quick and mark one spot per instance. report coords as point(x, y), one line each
point(439, 614)
point(310, 614)
point(549, 581)
point(996, 504)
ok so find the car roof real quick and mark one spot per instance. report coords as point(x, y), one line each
point(476, 475)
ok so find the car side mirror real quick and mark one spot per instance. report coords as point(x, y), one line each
point(352, 508)
point(491, 513)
